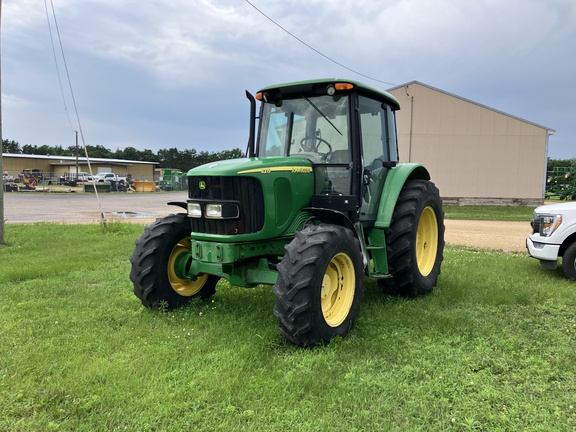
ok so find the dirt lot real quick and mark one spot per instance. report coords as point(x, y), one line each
point(508, 236)
point(146, 207)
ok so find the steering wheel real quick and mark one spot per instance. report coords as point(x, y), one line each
point(315, 144)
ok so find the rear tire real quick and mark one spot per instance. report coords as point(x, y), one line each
point(157, 284)
point(415, 240)
point(569, 262)
point(319, 285)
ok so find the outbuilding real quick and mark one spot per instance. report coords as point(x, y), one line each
point(55, 167)
point(475, 154)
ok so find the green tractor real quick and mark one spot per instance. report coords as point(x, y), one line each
point(319, 203)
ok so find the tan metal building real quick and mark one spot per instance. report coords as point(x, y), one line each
point(60, 166)
point(473, 152)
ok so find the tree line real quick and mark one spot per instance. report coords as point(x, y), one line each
point(182, 160)
point(561, 163)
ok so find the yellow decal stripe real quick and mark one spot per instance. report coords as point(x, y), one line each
point(293, 169)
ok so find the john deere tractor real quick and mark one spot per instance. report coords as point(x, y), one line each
point(319, 203)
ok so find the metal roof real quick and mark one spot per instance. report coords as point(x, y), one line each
point(65, 160)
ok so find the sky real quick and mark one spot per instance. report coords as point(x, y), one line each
point(161, 74)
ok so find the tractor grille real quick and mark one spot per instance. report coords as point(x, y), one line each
point(245, 190)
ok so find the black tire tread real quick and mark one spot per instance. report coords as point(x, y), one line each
point(149, 263)
point(569, 262)
point(401, 238)
point(297, 306)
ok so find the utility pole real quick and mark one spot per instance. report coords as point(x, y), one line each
point(2, 239)
point(76, 132)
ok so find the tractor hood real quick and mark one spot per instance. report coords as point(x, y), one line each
point(254, 165)
point(259, 198)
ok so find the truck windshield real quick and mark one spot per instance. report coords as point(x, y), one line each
point(315, 128)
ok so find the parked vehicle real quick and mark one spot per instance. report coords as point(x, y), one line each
point(319, 203)
point(554, 236)
point(8, 182)
point(82, 177)
point(109, 177)
point(7, 178)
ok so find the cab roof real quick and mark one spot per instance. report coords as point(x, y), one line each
point(319, 87)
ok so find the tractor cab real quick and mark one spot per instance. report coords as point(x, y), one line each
point(345, 129)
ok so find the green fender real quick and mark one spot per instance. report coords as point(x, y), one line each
point(395, 180)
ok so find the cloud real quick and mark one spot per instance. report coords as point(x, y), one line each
point(139, 67)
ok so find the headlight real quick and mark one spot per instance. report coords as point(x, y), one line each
point(223, 210)
point(194, 210)
point(214, 211)
point(549, 224)
point(211, 210)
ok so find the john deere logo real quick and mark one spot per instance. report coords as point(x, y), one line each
point(202, 185)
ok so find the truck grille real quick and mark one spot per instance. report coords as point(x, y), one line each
point(536, 225)
point(246, 190)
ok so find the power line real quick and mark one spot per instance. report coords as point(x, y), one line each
point(71, 94)
point(57, 68)
point(315, 50)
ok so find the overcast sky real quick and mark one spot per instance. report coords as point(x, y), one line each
point(158, 74)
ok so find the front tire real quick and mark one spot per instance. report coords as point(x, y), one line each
point(415, 240)
point(158, 254)
point(569, 262)
point(319, 285)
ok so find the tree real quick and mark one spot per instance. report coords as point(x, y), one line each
point(231, 154)
point(99, 151)
point(11, 146)
point(182, 160)
point(28, 149)
point(169, 158)
point(560, 163)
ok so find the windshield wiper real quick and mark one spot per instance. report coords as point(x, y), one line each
point(321, 113)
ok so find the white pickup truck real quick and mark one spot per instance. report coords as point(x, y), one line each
point(104, 177)
point(554, 235)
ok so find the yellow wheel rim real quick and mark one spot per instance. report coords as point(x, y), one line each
point(338, 286)
point(184, 287)
point(427, 241)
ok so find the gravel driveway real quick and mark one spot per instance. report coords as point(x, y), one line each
point(30, 207)
point(145, 208)
point(508, 236)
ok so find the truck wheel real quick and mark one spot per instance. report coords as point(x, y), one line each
point(319, 285)
point(415, 240)
point(569, 262)
point(155, 261)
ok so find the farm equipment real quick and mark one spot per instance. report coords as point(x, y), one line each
point(561, 183)
point(172, 180)
point(30, 178)
point(319, 203)
point(8, 182)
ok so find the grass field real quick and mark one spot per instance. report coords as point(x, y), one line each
point(491, 349)
point(497, 213)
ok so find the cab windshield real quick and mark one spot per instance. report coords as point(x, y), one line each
point(315, 128)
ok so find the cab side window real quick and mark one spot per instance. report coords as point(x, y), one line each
point(378, 145)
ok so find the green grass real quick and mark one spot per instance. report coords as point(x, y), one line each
point(491, 349)
point(499, 213)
